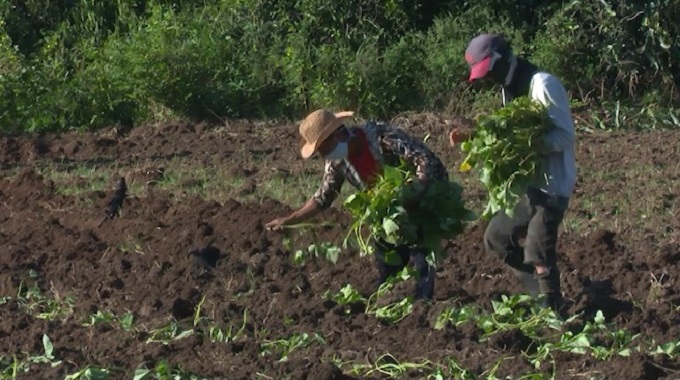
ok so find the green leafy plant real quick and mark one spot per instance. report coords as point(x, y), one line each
point(505, 151)
point(168, 334)
point(396, 311)
point(164, 371)
point(34, 302)
point(326, 250)
point(48, 356)
point(347, 296)
point(284, 347)
point(441, 213)
point(90, 373)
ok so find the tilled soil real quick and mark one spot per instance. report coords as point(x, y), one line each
point(140, 263)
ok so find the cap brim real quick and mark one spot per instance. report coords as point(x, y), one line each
point(480, 69)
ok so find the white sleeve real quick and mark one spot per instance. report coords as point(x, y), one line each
point(548, 90)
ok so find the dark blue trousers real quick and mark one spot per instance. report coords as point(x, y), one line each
point(425, 273)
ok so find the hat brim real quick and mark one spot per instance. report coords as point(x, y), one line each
point(480, 69)
point(307, 150)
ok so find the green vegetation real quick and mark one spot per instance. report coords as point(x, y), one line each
point(505, 152)
point(88, 64)
point(439, 215)
point(546, 336)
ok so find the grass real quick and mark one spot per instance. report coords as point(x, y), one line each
point(184, 176)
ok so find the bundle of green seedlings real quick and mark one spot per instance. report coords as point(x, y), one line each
point(439, 215)
point(505, 151)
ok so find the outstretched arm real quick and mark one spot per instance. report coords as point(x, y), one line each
point(321, 200)
point(308, 210)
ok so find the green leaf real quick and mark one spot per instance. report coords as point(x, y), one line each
point(392, 258)
point(625, 352)
point(47, 345)
point(142, 374)
point(390, 226)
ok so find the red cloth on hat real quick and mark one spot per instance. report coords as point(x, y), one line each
point(364, 162)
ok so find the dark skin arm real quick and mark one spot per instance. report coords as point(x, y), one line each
point(307, 211)
point(459, 135)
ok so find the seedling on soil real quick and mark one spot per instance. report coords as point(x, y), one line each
point(107, 317)
point(395, 312)
point(48, 356)
point(384, 288)
point(348, 295)
point(168, 334)
point(450, 370)
point(197, 311)
point(216, 333)
point(391, 313)
point(131, 247)
point(283, 347)
point(388, 365)
point(164, 371)
point(670, 349)
point(90, 373)
point(231, 333)
point(518, 312)
point(36, 304)
point(619, 341)
point(100, 317)
point(456, 316)
point(11, 368)
point(324, 250)
point(126, 321)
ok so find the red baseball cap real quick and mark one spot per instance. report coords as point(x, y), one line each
point(479, 53)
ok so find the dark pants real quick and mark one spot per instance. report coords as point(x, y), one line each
point(425, 272)
point(536, 219)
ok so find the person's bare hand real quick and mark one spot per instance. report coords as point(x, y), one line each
point(276, 224)
point(457, 136)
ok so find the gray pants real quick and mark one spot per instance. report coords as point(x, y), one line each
point(536, 220)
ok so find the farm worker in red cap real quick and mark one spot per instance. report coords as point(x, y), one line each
point(357, 154)
point(540, 211)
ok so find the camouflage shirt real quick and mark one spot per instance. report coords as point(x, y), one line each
point(388, 145)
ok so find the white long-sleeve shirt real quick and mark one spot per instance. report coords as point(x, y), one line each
point(559, 167)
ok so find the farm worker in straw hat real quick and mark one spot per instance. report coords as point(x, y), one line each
point(541, 209)
point(357, 154)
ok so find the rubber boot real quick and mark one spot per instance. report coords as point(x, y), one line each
point(549, 285)
point(524, 272)
point(528, 281)
point(425, 280)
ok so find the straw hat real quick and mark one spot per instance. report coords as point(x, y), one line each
point(317, 126)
